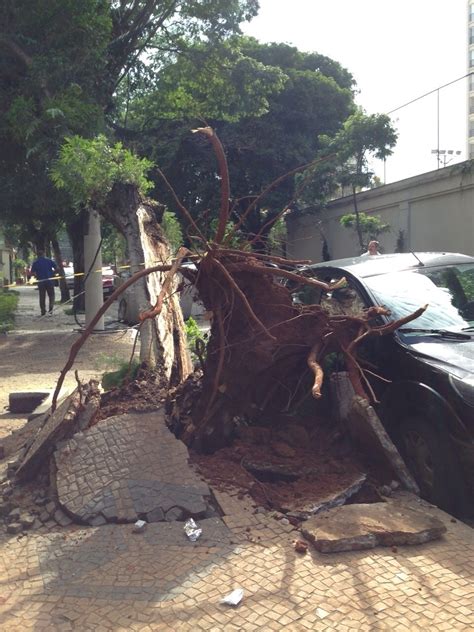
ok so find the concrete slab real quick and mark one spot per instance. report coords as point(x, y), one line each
point(26, 401)
point(336, 498)
point(364, 526)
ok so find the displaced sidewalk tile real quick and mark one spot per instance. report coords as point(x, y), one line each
point(125, 468)
point(336, 498)
point(357, 527)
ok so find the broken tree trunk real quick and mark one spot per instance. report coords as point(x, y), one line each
point(168, 325)
point(162, 338)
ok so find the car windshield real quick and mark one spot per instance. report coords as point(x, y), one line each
point(448, 291)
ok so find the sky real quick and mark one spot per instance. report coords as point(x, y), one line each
point(396, 50)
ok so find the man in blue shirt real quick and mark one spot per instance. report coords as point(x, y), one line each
point(44, 269)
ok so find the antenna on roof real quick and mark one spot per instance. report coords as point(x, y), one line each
point(420, 262)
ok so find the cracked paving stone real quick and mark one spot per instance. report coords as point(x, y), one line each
point(125, 467)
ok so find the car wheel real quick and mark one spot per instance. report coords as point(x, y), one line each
point(122, 310)
point(428, 454)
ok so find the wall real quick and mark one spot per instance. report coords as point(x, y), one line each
point(434, 210)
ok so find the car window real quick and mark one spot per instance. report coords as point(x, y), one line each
point(448, 292)
point(342, 301)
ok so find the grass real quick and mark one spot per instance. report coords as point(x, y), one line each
point(8, 304)
point(114, 379)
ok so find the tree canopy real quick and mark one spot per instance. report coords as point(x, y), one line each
point(269, 103)
point(61, 70)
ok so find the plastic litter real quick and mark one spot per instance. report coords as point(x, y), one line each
point(139, 526)
point(233, 598)
point(192, 530)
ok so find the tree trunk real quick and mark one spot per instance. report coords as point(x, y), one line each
point(59, 262)
point(162, 338)
point(169, 324)
point(75, 230)
point(356, 211)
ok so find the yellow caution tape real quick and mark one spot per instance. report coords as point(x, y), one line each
point(75, 274)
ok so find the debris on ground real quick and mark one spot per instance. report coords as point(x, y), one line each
point(192, 530)
point(301, 546)
point(315, 477)
point(145, 393)
point(139, 526)
point(73, 415)
point(233, 598)
point(357, 527)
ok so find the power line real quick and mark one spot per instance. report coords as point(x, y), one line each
point(430, 92)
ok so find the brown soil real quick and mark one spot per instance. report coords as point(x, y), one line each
point(147, 392)
point(320, 474)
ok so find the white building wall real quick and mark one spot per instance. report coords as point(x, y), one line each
point(435, 211)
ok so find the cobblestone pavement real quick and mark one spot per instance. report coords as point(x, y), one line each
point(32, 355)
point(108, 578)
point(126, 467)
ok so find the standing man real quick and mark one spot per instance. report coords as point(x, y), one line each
point(44, 269)
point(372, 249)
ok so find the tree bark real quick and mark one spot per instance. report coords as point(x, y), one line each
point(162, 338)
point(356, 211)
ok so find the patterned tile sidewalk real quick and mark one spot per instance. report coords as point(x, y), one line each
point(107, 578)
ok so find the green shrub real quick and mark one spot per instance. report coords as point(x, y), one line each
point(8, 304)
point(193, 334)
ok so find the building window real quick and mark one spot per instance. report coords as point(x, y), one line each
point(471, 105)
point(471, 83)
point(471, 35)
point(471, 58)
point(471, 13)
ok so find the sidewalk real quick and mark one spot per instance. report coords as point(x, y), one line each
point(32, 355)
point(108, 578)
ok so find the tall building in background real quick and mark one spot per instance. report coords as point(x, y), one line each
point(470, 66)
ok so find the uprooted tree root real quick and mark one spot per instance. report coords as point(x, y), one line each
point(259, 336)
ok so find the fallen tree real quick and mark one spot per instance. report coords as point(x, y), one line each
point(259, 335)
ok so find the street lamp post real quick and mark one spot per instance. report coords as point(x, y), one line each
point(442, 156)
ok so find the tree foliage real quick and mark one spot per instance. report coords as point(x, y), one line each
point(371, 226)
point(344, 162)
point(294, 98)
point(88, 169)
point(62, 64)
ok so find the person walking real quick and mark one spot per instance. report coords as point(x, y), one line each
point(44, 269)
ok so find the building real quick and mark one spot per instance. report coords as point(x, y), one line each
point(470, 68)
point(429, 212)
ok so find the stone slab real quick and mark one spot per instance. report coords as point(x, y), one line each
point(336, 498)
point(72, 414)
point(128, 467)
point(55, 426)
point(45, 405)
point(26, 401)
point(364, 526)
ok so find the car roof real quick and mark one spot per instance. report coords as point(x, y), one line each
point(366, 266)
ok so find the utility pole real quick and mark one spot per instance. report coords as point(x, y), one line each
point(94, 297)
